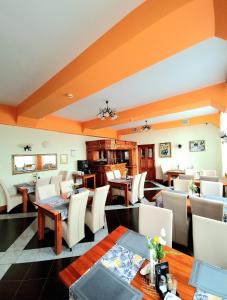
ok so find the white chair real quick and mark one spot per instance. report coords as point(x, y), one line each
point(67, 186)
point(46, 191)
point(207, 208)
point(73, 227)
point(11, 201)
point(208, 178)
point(210, 241)
point(117, 174)
point(192, 172)
point(181, 185)
point(211, 188)
point(109, 175)
point(39, 182)
point(141, 185)
point(178, 204)
point(186, 177)
point(164, 169)
point(209, 173)
point(152, 219)
point(56, 181)
point(64, 175)
point(134, 193)
point(95, 218)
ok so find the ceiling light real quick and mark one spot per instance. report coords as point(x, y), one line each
point(145, 127)
point(69, 95)
point(107, 113)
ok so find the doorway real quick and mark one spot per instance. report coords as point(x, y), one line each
point(146, 156)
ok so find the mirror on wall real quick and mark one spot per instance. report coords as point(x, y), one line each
point(22, 164)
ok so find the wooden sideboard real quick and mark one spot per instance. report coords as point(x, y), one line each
point(109, 155)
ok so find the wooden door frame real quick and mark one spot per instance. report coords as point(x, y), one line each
point(139, 157)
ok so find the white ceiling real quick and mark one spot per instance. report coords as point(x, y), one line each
point(38, 38)
point(199, 66)
point(207, 110)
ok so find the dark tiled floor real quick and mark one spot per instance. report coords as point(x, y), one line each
point(11, 229)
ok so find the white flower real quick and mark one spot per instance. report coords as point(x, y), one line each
point(163, 233)
point(162, 241)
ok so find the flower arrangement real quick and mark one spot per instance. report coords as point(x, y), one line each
point(192, 187)
point(155, 245)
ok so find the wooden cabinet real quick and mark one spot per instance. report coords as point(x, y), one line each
point(109, 155)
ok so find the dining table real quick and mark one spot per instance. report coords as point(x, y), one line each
point(57, 209)
point(173, 174)
point(25, 189)
point(121, 183)
point(180, 266)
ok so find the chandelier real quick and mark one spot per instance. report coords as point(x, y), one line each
point(145, 127)
point(107, 113)
point(224, 137)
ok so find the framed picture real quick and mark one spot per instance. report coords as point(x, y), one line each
point(165, 149)
point(197, 146)
point(63, 159)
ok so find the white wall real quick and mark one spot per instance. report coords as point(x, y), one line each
point(210, 159)
point(13, 138)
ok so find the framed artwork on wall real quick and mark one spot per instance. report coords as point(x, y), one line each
point(197, 146)
point(165, 149)
point(63, 159)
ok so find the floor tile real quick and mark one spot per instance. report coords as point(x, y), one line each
point(30, 289)
point(60, 264)
point(54, 289)
point(17, 271)
point(3, 270)
point(39, 270)
point(28, 256)
point(8, 289)
point(10, 257)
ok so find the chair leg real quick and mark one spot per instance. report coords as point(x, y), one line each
point(70, 249)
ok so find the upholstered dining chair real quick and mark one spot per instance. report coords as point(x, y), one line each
point(56, 180)
point(39, 182)
point(207, 208)
point(209, 178)
point(141, 185)
point(11, 200)
point(46, 191)
point(114, 191)
point(178, 204)
point(117, 174)
point(134, 192)
point(67, 186)
point(181, 185)
point(191, 172)
point(73, 228)
point(209, 173)
point(95, 217)
point(64, 175)
point(211, 188)
point(186, 177)
point(110, 175)
point(152, 219)
point(210, 241)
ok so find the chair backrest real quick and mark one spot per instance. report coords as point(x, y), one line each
point(152, 219)
point(192, 172)
point(181, 185)
point(56, 180)
point(67, 186)
point(209, 178)
point(141, 185)
point(209, 173)
point(110, 175)
point(210, 241)
point(76, 218)
point(135, 188)
point(98, 207)
point(178, 204)
point(46, 191)
point(211, 188)
point(186, 177)
point(5, 192)
point(207, 208)
point(117, 174)
point(40, 182)
point(64, 175)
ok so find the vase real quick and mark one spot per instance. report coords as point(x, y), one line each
point(153, 262)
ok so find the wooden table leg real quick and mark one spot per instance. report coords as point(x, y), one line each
point(126, 195)
point(169, 179)
point(25, 200)
point(41, 221)
point(94, 178)
point(58, 233)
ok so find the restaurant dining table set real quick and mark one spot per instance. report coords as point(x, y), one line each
point(111, 276)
